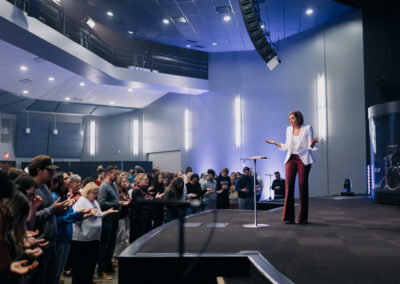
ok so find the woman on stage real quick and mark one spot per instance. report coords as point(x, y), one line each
point(299, 144)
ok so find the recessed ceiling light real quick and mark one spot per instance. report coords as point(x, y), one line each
point(51, 79)
point(262, 26)
point(130, 90)
point(227, 18)
point(111, 103)
point(309, 11)
point(23, 68)
point(188, 45)
point(82, 84)
point(67, 99)
point(25, 92)
point(109, 13)
point(130, 32)
point(165, 21)
point(214, 43)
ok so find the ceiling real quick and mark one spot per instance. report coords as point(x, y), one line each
point(204, 26)
point(14, 104)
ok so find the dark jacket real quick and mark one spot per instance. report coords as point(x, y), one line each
point(223, 197)
point(245, 182)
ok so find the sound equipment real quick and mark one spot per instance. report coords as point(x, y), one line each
point(251, 17)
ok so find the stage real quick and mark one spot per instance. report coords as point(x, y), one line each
point(348, 240)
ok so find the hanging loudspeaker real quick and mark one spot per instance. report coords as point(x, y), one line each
point(252, 22)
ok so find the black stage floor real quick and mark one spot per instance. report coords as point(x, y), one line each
point(348, 240)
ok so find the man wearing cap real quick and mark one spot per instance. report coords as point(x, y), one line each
point(42, 169)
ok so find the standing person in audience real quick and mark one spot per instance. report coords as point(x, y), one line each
point(278, 186)
point(138, 170)
point(42, 170)
point(28, 186)
point(223, 185)
point(194, 191)
point(245, 189)
point(74, 187)
point(141, 213)
point(233, 194)
point(166, 180)
point(86, 235)
point(157, 187)
point(64, 223)
point(209, 188)
point(259, 186)
point(13, 173)
point(174, 192)
point(124, 220)
point(101, 173)
point(108, 199)
point(237, 175)
point(203, 177)
point(187, 171)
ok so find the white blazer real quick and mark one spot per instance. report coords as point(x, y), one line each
point(303, 148)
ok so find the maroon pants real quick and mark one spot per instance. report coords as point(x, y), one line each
point(294, 166)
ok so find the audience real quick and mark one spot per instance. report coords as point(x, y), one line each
point(40, 227)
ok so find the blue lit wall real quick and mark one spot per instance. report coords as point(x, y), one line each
point(267, 98)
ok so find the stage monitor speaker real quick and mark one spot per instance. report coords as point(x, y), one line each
point(256, 33)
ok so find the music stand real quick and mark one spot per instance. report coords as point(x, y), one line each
point(255, 225)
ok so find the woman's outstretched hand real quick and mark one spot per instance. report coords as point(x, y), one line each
point(272, 142)
point(314, 141)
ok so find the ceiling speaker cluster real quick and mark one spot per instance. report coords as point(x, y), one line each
point(251, 17)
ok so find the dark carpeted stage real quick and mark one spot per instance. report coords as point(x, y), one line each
point(348, 240)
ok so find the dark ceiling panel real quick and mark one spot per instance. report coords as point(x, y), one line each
point(45, 106)
point(107, 111)
point(7, 98)
point(75, 108)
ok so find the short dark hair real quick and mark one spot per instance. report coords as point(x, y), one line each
point(109, 169)
point(246, 169)
point(277, 173)
point(225, 170)
point(100, 171)
point(298, 115)
point(211, 171)
point(193, 176)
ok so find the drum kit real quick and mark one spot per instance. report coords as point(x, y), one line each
point(392, 166)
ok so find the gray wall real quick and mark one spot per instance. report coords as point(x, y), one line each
point(113, 138)
point(267, 98)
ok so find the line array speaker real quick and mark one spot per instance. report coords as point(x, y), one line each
point(256, 33)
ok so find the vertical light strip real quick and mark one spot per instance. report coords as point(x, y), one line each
point(92, 138)
point(135, 136)
point(187, 129)
point(238, 122)
point(321, 101)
